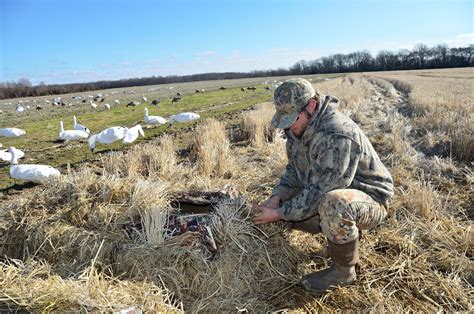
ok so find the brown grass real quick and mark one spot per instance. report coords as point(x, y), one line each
point(96, 239)
point(443, 105)
point(256, 127)
point(34, 283)
point(211, 148)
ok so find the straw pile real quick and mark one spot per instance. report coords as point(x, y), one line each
point(97, 239)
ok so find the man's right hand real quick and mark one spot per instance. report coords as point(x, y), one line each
point(273, 202)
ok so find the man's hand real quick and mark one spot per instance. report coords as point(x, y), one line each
point(273, 202)
point(267, 215)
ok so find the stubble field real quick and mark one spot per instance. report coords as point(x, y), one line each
point(98, 238)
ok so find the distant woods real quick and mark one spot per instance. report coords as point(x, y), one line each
point(421, 57)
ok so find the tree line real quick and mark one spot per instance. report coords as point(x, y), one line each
point(421, 57)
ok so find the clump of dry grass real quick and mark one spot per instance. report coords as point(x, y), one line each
point(66, 222)
point(256, 127)
point(150, 200)
point(420, 197)
point(34, 286)
point(167, 159)
point(249, 271)
point(211, 148)
point(156, 159)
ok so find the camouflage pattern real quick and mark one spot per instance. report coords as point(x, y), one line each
point(344, 212)
point(332, 154)
point(290, 98)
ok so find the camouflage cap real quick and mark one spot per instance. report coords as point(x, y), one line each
point(290, 98)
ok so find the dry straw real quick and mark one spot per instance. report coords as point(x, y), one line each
point(441, 102)
point(256, 127)
point(96, 240)
point(34, 286)
point(211, 148)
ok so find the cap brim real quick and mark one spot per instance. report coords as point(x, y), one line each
point(284, 121)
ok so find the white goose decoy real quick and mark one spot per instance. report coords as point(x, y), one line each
point(34, 173)
point(153, 119)
point(107, 106)
point(144, 98)
point(183, 117)
point(11, 132)
point(107, 136)
point(132, 134)
point(73, 135)
point(78, 126)
point(93, 105)
point(117, 102)
point(20, 108)
point(5, 155)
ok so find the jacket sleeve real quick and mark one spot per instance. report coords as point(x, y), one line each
point(289, 185)
point(334, 164)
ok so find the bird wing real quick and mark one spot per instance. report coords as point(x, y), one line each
point(130, 135)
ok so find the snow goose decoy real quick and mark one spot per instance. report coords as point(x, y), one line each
point(73, 135)
point(5, 155)
point(33, 173)
point(132, 134)
point(11, 132)
point(153, 119)
point(107, 136)
point(183, 117)
point(78, 126)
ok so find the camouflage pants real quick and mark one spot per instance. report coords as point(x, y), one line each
point(343, 212)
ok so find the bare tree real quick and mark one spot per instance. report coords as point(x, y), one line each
point(421, 52)
point(441, 53)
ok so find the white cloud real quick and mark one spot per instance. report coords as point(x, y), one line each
point(461, 40)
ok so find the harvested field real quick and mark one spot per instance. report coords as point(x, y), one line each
point(99, 237)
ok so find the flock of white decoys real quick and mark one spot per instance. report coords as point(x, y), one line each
point(42, 173)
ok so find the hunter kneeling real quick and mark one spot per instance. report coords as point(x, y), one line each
point(334, 182)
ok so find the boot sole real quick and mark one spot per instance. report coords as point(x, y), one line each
point(319, 292)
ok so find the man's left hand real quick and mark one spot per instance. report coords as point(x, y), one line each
point(267, 215)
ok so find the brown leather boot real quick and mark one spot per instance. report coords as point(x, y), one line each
point(310, 225)
point(342, 271)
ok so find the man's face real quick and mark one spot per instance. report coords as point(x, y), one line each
point(299, 126)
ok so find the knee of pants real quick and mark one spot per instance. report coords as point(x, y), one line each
point(336, 202)
point(337, 221)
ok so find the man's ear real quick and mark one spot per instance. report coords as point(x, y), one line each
point(312, 105)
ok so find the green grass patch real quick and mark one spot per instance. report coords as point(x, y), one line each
point(42, 132)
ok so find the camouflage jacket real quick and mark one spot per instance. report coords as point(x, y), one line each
point(333, 153)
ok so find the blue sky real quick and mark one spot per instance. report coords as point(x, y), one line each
point(80, 41)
